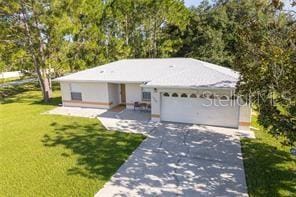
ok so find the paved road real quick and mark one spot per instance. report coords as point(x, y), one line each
point(180, 160)
point(18, 82)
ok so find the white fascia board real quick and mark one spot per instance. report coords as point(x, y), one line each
point(186, 87)
point(96, 81)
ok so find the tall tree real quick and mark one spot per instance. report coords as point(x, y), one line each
point(209, 35)
point(77, 32)
point(266, 59)
point(25, 31)
point(140, 28)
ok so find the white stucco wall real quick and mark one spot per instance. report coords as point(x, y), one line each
point(93, 94)
point(113, 93)
point(65, 91)
point(133, 94)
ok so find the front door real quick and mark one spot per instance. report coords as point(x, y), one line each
point(122, 93)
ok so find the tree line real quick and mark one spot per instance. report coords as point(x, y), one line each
point(256, 38)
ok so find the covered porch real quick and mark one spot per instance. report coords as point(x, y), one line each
point(127, 120)
point(130, 95)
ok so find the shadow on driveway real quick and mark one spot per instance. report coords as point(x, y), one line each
point(129, 121)
point(178, 160)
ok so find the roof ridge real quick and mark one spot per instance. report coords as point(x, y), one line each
point(222, 67)
point(155, 58)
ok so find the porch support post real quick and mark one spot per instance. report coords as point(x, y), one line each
point(155, 105)
point(245, 113)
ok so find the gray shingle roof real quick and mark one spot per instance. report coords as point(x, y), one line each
point(165, 72)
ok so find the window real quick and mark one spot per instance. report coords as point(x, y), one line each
point(184, 95)
point(146, 96)
point(233, 97)
point(166, 94)
point(203, 95)
point(76, 96)
point(224, 97)
point(212, 96)
point(193, 96)
point(174, 95)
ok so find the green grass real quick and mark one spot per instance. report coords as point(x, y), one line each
point(270, 168)
point(47, 155)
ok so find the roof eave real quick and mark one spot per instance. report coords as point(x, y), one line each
point(185, 87)
point(95, 81)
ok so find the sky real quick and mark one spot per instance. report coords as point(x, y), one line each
point(189, 3)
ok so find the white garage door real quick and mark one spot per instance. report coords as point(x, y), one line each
point(199, 111)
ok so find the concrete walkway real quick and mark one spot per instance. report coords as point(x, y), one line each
point(77, 111)
point(18, 82)
point(182, 160)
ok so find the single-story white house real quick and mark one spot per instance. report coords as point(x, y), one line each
point(181, 90)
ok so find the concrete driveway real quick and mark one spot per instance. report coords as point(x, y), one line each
point(182, 160)
point(175, 159)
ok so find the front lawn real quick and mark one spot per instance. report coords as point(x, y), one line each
point(270, 168)
point(47, 155)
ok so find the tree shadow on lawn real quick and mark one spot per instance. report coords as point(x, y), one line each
point(54, 101)
point(264, 169)
point(31, 99)
point(10, 94)
point(100, 152)
point(18, 93)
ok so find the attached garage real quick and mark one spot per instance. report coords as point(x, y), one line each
point(190, 108)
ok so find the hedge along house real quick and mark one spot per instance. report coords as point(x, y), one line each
point(181, 90)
